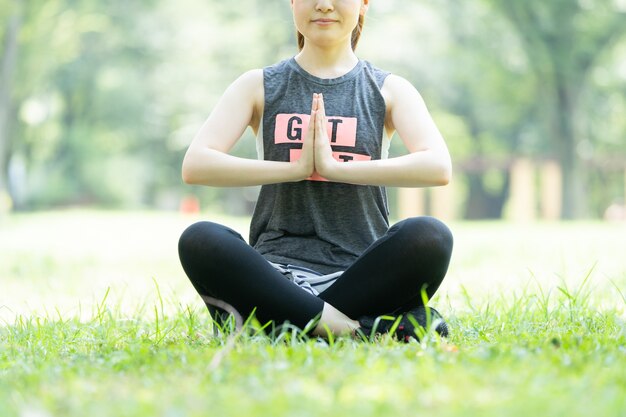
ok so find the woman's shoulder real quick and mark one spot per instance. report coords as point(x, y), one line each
point(249, 83)
point(250, 78)
point(396, 86)
point(397, 82)
point(258, 75)
point(253, 82)
point(399, 93)
point(247, 91)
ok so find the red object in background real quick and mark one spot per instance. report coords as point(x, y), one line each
point(190, 205)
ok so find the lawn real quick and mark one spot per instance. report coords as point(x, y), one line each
point(98, 319)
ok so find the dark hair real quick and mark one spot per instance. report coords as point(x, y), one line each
point(356, 34)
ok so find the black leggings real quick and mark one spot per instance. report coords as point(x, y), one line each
point(387, 278)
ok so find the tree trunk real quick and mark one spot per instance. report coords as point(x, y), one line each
point(8, 62)
point(482, 204)
point(573, 203)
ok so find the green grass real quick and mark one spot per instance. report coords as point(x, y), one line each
point(99, 320)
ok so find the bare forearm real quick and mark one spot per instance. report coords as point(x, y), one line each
point(214, 168)
point(418, 169)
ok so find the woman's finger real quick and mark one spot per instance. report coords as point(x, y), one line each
point(314, 103)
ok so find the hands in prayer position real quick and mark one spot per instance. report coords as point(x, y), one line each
point(317, 156)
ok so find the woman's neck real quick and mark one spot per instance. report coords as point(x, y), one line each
point(326, 62)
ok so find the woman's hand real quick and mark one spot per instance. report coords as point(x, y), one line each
point(324, 160)
point(306, 164)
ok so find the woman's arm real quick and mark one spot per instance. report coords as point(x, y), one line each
point(428, 162)
point(207, 161)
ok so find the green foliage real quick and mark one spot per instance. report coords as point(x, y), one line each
point(132, 83)
point(565, 41)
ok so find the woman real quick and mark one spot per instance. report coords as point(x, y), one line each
point(321, 252)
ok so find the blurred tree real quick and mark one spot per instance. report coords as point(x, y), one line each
point(564, 40)
point(482, 85)
point(11, 17)
point(99, 100)
point(81, 103)
point(212, 43)
point(603, 148)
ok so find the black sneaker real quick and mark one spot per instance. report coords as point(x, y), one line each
point(410, 324)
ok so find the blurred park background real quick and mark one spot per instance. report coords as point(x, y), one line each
point(99, 100)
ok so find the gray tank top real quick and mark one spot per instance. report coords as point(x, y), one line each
point(316, 223)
